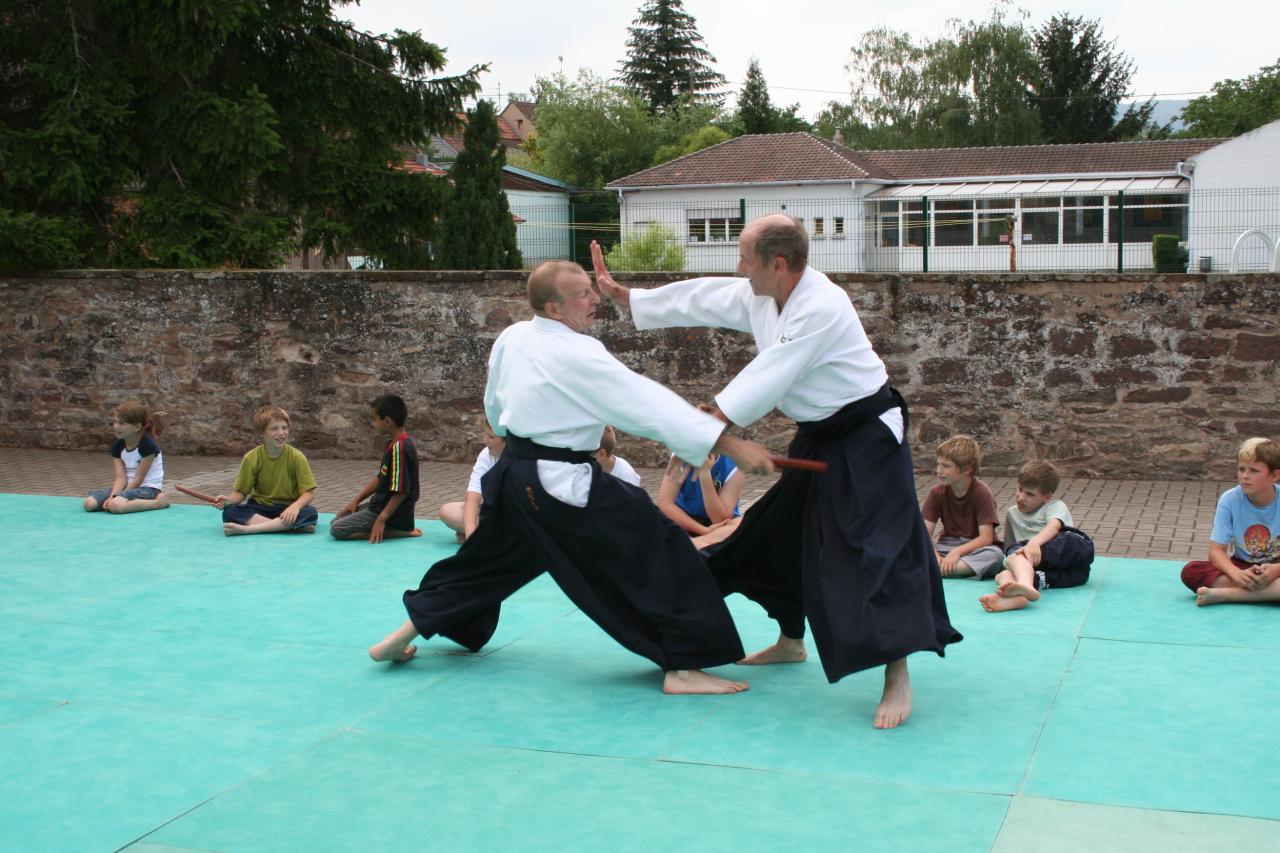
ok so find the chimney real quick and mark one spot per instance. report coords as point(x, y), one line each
point(837, 137)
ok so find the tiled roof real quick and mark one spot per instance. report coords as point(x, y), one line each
point(1156, 155)
point(758, 158)
point(795, 157)
point(526, 107)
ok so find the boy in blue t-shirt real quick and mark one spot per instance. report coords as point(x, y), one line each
point(1244, 547)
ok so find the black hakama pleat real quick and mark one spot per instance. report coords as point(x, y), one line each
point(619, 560)
point(847, 548)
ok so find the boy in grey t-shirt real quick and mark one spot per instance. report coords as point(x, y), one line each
point(1042, 549)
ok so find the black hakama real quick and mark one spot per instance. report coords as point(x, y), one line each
point(618, 559)
point(847, 548)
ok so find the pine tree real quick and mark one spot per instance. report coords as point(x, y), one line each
point(755, 111)
point(479, 233)
point(212, 133)
point(666, 61)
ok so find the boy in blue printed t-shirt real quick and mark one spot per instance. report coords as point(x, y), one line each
point(1244, 546)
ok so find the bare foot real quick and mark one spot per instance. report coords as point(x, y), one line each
point(230, 528)
point(1208, 595)
point(895, 703)
point(1013, 589)
point(993, 603)
point(786, 650)
point(393, 652)
point(695, 681)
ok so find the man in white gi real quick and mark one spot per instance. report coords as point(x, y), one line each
point(549, 507)
point(847, 548)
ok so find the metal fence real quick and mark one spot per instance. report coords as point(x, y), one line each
point(985, 232)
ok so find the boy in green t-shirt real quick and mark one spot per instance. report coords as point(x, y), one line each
point(274, 487)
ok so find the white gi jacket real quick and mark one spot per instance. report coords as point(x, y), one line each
point(814, 356)
point(559, 388)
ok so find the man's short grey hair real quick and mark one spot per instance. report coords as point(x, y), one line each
point(785, 238)
point(544, 283)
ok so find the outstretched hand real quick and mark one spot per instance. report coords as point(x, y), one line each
point(608, 287)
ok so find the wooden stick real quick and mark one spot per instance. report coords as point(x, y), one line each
point(798, 464)
point(201, 496)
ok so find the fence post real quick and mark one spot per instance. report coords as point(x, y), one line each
point(1120, 234)
point(925, 255)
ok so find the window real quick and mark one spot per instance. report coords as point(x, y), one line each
point(885, 216)
point(1040, 216)
point(917, 229)
point(994, 216)
point(953, 223)
point(1082, 219)
point(818, 226)
point(1148, 215)
point(714, 229)
point(837, 224)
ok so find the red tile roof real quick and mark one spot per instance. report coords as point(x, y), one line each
point(803, 157)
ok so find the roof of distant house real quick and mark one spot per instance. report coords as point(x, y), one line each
point(526, 107)
point(805, 158)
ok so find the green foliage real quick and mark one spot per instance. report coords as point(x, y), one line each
point(755, 109)
point(590, 132)
point(1236, 106)
point(666, 60)
point(646, 250)
point(989, 82)
point(212, 133)
point(478, 232)
point(756, 112)
point(1168, 253)
point(1081, 81)
point(704, 137)
point(988, 66)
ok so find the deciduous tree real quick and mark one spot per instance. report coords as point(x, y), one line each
point(1236, 106)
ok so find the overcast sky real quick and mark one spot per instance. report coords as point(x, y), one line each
point(1179, 46)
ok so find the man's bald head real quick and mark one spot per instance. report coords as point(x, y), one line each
point(544, 283)
point(780, 236)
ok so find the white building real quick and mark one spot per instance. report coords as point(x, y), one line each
point(1233, 193)
point(1093, 206)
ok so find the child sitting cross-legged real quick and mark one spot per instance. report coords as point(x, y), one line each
point(274, 487)
point(393, 491)
point(1244, 545)
point(1042, 549)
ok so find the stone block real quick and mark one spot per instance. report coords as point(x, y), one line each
point(1257, 347)
point(1158, 395)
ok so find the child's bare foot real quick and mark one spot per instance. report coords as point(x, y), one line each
point(695, 681)
point(1013, 589)
point(786, 650)
point(895, 703)
point(391, 651)
point(1209, 595)
point(230, 528)
point(993, 603)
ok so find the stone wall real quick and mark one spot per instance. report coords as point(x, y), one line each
point(1134, 376)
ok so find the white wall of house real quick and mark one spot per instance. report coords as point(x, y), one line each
point(545, 233)
point(707, 220)
point(1236, 188)
point(848, 233)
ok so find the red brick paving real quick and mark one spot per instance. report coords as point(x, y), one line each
point(1155, 519)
